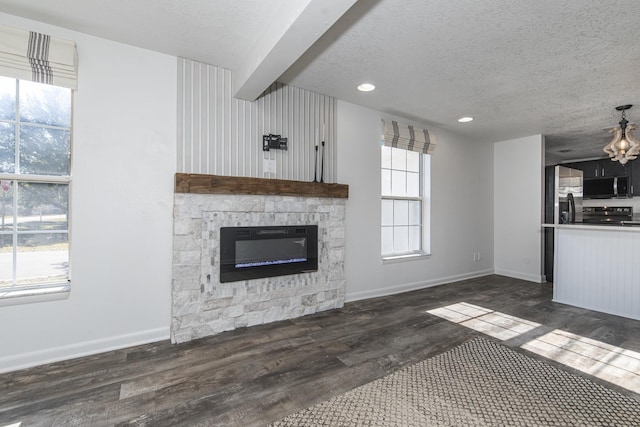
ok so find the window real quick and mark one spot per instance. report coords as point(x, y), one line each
point(35, 174)
point(404, 187)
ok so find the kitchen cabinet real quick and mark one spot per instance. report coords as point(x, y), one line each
point(590, 169)
point(635, 177)
point(601, 168)
point(610, 168)
point(605, 167)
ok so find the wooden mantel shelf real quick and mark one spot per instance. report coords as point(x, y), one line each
point(216, 184)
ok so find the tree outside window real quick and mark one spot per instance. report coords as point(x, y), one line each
point(35, 169)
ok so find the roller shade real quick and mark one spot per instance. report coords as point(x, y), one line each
point(38, 57)
point(410, 138)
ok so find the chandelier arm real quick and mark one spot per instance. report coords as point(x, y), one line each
point(611, 148)
point(630, 136)
point(634, 148)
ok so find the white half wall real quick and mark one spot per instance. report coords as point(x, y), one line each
point(124, 157)
point(461, 209)
point(518, 206)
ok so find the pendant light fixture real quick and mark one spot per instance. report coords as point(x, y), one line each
point(624, 146)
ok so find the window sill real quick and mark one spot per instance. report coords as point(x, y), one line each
point(403, 258)
point(33, 294)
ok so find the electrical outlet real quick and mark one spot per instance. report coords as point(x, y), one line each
point(268, 166)
point(478, 257)
point(475, 257)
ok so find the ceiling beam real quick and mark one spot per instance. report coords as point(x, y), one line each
point(270, 59)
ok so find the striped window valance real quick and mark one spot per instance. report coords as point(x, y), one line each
point(28, 55)
point(408, 137)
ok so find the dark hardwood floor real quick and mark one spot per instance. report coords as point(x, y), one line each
point(256, 375)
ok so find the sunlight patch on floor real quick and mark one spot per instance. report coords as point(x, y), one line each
point(616, 365)
point(490, 322)
point(607, 362)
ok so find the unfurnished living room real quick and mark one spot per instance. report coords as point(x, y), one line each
point(319, 213)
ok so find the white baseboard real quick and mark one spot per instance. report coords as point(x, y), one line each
point(537, 278)
point(374, 293)
point(86, 348)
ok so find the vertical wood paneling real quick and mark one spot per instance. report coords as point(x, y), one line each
point(180, 125)
point(202, 118)
point(211, 132)
point(598, 270)
point(221, 135)
point(188, 125)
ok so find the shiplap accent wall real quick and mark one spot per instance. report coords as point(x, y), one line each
point(598, 269)
point(221, 135)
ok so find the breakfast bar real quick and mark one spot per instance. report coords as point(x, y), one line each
point(598, 267)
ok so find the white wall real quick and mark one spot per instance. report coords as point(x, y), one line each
point(124, 157)
point(518, 206)
point(461, 213)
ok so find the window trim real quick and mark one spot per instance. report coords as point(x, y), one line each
point(16, 294)
point(422, 253)
point(394, 259)
point(28, 294)
point(46, 179)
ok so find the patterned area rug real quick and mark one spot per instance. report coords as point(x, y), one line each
point(479, 383)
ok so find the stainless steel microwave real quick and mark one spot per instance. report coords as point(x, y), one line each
point(606, 187)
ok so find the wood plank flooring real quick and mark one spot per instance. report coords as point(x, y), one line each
point(252, 376)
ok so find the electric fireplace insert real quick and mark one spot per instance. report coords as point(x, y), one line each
point(255, 252)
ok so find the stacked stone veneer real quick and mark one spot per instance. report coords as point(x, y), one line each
point(203, 306)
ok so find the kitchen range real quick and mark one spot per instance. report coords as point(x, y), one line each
point(609, 215)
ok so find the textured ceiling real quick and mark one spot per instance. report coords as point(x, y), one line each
point(520, 67)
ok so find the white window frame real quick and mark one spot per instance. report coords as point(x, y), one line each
point(45, 291)
point(424, 199)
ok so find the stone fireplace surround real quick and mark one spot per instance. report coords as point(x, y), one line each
point(201, 305)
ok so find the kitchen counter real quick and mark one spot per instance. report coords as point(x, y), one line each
point(597, 227)
point(598, 267)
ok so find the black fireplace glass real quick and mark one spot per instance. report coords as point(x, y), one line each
point(255, 252)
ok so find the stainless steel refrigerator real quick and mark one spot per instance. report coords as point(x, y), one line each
point(567, 195)
point(563, 205)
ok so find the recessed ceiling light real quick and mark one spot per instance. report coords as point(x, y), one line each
point(465, 119)
point(366, 87)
